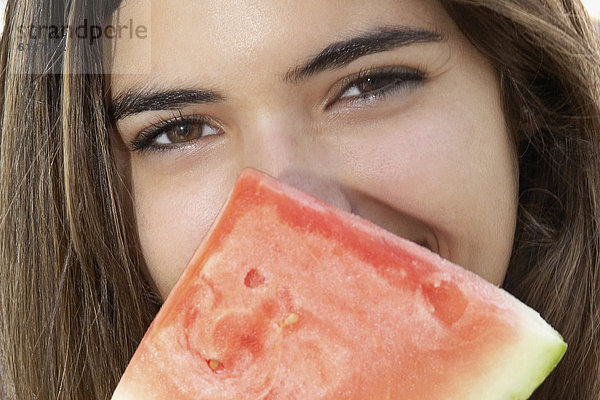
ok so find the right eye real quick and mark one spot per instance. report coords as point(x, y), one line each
point(184, 132)
point(174, 133)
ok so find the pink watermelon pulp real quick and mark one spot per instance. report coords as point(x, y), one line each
point(290, 298)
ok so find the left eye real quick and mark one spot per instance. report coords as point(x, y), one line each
point(371, 85)
point(184, 132)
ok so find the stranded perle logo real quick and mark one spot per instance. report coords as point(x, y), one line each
point(40, 35)
point(41, 44)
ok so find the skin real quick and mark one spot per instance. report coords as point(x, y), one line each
point(431, 161)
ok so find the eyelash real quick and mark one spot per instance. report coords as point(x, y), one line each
point(402, 77)
point(144, 140)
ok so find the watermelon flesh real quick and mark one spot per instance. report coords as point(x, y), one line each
point(290, 298)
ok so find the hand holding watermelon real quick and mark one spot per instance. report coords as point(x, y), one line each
point(290, 298)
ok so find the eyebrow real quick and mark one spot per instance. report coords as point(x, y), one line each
point(342, 53)
point(334, 56)
point(136, 101)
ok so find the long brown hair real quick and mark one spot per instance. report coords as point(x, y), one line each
point(73, 299)
point(73, 302)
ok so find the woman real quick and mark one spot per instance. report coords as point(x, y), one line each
point(466, 126)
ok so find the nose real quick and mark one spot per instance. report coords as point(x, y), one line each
point(286, 152)
point(328, 190)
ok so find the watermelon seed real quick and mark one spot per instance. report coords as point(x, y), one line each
point(290, 320)
point(215, 365)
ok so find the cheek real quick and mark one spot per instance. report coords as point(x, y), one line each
point(452, 173)
point(174, 212)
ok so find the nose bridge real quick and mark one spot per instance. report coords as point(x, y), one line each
point(282, 145)
point(272, 141)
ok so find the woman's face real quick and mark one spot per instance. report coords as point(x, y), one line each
point(381, 108)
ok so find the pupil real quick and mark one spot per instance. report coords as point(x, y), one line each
point(371, 84)
point(179, 133)
point(183, 130)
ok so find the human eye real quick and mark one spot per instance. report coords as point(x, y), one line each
point(372, 85)
point(175, 133)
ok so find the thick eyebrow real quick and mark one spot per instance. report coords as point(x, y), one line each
point(335, 55)
point(136, 101)
point(341, 53)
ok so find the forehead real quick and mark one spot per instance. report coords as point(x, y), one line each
point(223, 38)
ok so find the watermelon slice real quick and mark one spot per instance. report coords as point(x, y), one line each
point(290, 298)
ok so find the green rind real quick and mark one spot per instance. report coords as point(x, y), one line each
point(521, 370)
point(555, 351)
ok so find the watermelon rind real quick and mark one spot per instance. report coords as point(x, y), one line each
point(527, 364)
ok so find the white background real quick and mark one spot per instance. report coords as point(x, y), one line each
point(593, 7)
